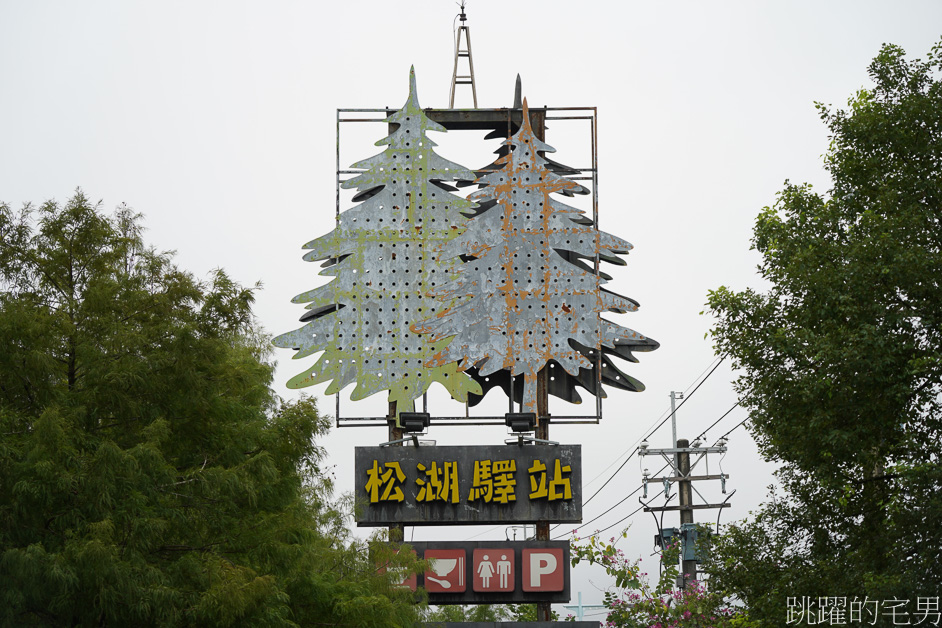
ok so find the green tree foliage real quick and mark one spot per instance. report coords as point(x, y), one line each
point(840, 361)
point(148, 474)
point(476, 612)
point(527, 612)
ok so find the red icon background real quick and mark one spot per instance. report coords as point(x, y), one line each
point(494, 570)
point(543, 569)
point(447, 571)
point(408, 582)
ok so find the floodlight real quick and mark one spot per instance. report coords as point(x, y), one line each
point(414, 421)
point(520, 421)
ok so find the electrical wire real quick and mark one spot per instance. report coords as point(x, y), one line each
point(630, 449)
point(484, 532)
point(717, 361)
point(625, 518)
point(663, 419)
point(725, 414)
point(615, 505)
point(666, 413)
point(738, 425)
point(626, 498)
point(612, 477)
point(687, 396)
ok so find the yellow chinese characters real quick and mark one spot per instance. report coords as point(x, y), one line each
point(387, 477)
point(558, 487)
point(438, 484)
point(493, 481)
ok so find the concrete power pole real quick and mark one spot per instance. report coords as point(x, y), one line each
point(688, 573)
point(678, 459)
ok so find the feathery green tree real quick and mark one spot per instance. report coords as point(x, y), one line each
point(148, 474)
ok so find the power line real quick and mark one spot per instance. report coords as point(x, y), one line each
point(663, 419)
point(663, 415)
point(725, 414)
point(484, 532)
point(634, 451)
point(632, 493)
point(687, 396)
point(738, 425)
point(628, 516)
point(613, 507)
point(640, 508)
point(612, 477)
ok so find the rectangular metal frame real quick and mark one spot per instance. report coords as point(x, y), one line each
point(483, 119)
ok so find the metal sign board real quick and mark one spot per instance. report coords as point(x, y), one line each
point(493, 572)
point(470, 485)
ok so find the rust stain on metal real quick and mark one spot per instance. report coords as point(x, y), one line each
point(526, 296)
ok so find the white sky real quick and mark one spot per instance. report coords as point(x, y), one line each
point(216, 120)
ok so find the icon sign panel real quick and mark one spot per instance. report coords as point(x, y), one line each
point(404, 580)
point(493, 570)
point(446, 572)
point(543, 569)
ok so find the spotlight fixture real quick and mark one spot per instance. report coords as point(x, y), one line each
point(521, 421)
point(414, 421)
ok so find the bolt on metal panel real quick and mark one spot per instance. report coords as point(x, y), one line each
point(383, 257)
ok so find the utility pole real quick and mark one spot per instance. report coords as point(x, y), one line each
point(679, 460)
point(688, 572)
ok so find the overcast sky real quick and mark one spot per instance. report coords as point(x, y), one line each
point(216, 120)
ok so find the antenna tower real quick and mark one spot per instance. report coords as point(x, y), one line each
point(467, 79)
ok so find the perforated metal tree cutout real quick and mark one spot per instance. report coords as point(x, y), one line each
point(528, 295)
point(382, 257)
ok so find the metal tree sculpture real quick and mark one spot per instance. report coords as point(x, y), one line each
point(382, 258)
point(533, 300)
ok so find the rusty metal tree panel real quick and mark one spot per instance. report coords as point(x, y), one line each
point(382, 255)
point(530, 295)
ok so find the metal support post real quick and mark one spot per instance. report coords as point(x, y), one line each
point(397, 531)
point(467, 79)
point(543, 609)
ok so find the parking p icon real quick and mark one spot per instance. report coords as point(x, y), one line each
point(543, 569)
